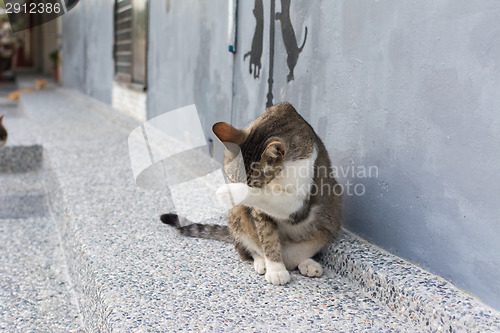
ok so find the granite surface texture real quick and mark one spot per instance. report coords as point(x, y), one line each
point(36, 293)
point(130, 273)
point(35, 290)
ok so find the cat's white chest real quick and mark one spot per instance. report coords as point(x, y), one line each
point(296, 231)
point(282, 196)
point(292, 186)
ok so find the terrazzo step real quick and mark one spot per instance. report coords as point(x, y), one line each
point(35, 291)
point(131, 273)
point(21, 181)
point(23, 151)
point(22, 195)
point(427, 300)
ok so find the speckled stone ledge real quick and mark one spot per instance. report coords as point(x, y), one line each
point(23, 151)
point(21, 189)
point(35, 292)
point(28, 158)
point(94, 312)
point(429, 301)
point(133, 274)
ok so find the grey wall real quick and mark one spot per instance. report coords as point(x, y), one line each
point(408, 87)
point(87, 48)
point(411, 88)
point(188, 61)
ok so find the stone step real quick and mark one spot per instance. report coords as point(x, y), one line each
point(35, 290)
point(131, 273)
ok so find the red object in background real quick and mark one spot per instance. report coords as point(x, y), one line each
point(55, 73)
point(21, 62)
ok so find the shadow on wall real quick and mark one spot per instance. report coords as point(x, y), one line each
point(289, 40)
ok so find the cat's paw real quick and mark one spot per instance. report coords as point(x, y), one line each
point(232, 194)
point(310, 268)
point(259, 264)
point(277, 274)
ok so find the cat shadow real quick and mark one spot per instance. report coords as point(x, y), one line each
point(256, 52)
point(289, 38)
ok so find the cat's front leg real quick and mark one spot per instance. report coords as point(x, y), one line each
point(232, 194)
point(240, 194)
point(274, 202)
point(276, 272)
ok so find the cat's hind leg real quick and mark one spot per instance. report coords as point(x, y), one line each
point(259, 264)
point(310, 268)
point(299, 255)
point(248, 250)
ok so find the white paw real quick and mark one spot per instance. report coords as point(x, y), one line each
point(260, 265)
point(310, 268)
point(232, 194)
point(277, 274)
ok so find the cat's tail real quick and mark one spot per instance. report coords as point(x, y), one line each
point(198, 230)
point(304, 42)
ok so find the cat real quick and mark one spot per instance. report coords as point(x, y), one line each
point(40, 84)
point(3, 132)
point(287, 207)
point(289, 39)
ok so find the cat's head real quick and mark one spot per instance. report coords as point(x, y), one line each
point(3, 132)
point(256, 153)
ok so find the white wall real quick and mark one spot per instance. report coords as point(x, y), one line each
point(88, 48)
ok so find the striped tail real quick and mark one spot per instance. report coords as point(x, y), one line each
point(198, 230)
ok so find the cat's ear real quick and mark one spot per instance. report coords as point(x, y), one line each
point(274, 152)
point(1, 117)
point(227, 133)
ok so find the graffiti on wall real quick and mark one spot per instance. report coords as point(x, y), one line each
point(256, 52)
point(289, 39)
point(292, 47)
